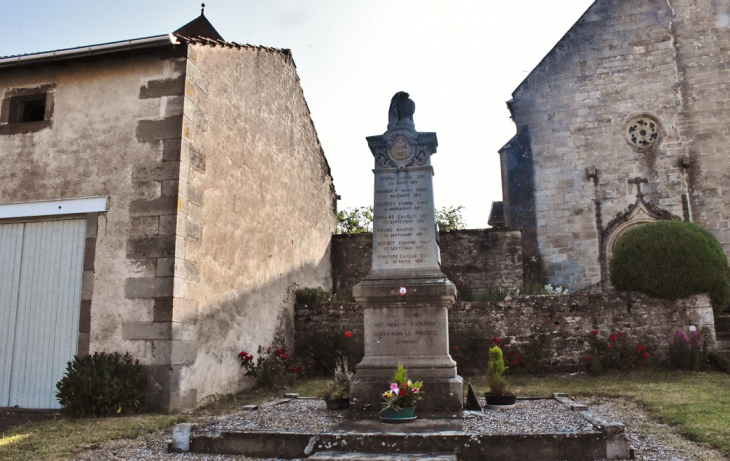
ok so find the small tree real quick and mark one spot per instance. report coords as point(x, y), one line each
point(355, 220)
point(671, 259)
point(495, 372)
point(450, 218)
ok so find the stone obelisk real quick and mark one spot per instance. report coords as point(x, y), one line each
point(406, 296)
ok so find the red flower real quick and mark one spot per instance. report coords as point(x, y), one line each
point(304, 368)
point(495, 339)
point(293, 369)
point(348, 334)
point(639, 346)
point(621, 333)
point(589, 357)
point(456, 348)
point(242, 354)
point(518, 359)
point(402, 392)
point(544, 319)
point(610, 346)
point(614, 338)
point(284, 356)
point(642, 363)
point(279, 352)
point(595, 332)
point(646, 355)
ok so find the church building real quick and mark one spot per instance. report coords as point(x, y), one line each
point(625, 121)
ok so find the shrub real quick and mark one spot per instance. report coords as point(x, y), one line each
point(615, 352)
point(339, 387)
point(716, 361)
point(274, 368)
point(323, 348)
point(538, 289)
point(689, 351)
point(671, 259)
point(313, 295)
point(102, 384)
point(530, 357)
point(490, 294)
point(470, 350)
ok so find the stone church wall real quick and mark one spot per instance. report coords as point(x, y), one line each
point(475, 260)
point(579, 117)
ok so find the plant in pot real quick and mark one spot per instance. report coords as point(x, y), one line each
point(498, 396)
point(336, 393)
point(399, 402)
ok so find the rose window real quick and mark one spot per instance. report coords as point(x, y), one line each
point(643, 132)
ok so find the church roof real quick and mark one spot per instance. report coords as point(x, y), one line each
point(199, 27)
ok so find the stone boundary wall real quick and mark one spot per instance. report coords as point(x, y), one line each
point(550, 332)
point(474, 259)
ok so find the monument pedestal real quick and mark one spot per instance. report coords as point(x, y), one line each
point(406, 322)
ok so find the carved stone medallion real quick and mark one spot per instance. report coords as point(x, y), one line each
point(401, 148)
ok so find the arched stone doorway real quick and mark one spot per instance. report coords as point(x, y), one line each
point(638, 214)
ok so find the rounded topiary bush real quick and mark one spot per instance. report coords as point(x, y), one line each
point(671, 259)
point(102, 384)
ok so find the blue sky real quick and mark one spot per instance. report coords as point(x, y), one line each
point(460, 61)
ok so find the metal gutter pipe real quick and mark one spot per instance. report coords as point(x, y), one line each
point(93, 50)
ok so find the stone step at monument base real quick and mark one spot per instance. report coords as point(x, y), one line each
point(346, 456)
point(407, 439)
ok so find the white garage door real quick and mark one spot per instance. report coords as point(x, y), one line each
point(41, 266)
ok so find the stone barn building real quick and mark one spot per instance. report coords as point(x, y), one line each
point(163, 196)
point(625, 121)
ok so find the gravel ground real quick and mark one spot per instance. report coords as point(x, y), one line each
point(300, 415)
point(652, 440)
point(529, 416)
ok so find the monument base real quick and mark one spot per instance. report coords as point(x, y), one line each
point(439, 394)
point(406, 323)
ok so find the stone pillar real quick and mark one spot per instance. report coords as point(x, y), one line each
point(406, 296)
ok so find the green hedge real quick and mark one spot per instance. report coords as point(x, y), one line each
point(671, 259)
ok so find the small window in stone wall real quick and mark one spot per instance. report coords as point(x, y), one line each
point(643, 132)
point(26, 110)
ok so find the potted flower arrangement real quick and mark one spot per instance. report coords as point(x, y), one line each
point(336, 393)
point(399, 402)
point(498, 396)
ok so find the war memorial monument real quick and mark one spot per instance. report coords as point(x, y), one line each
point(406, 296)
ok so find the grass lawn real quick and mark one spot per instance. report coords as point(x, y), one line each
point(63, 438)
point(698, 403)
